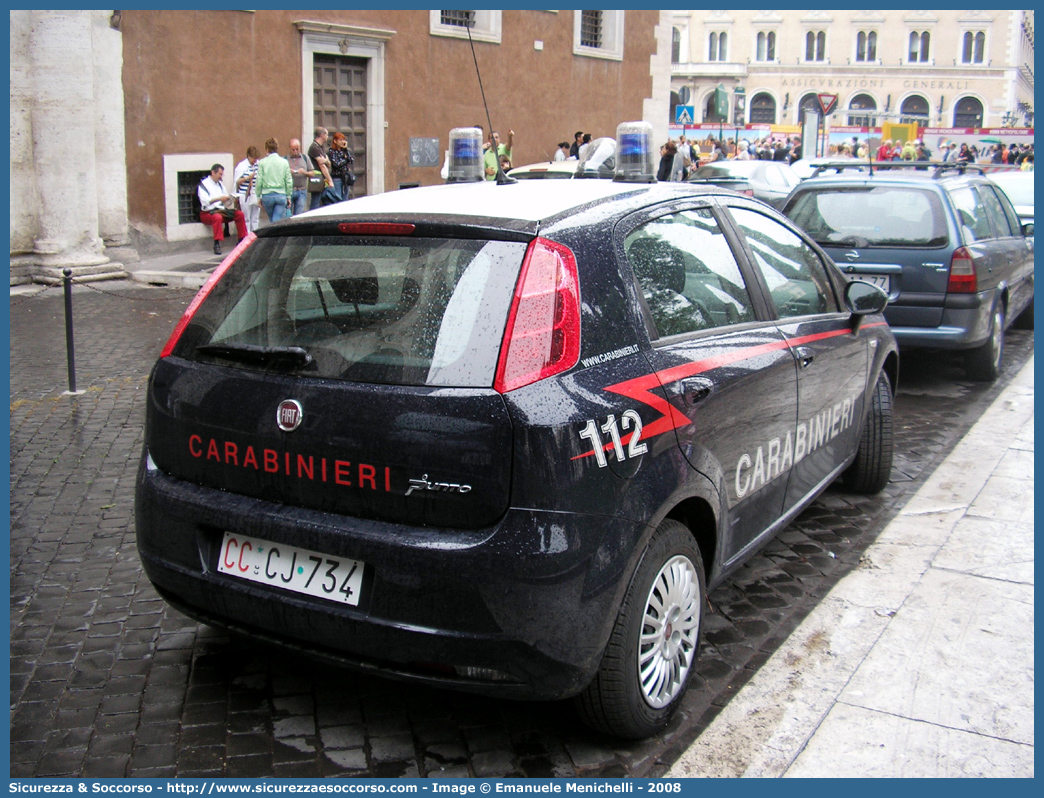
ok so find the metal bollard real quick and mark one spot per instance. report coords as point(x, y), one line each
point(69, 347)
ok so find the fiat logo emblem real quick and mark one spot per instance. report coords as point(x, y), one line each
point(289, 415)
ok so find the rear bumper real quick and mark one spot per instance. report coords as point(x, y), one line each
point(965, 324)
point(532, 598)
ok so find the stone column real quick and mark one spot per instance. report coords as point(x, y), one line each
point(23, 177)
point(62, 79)
point(110, 149)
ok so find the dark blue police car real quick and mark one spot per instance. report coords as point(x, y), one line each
point(504, 438)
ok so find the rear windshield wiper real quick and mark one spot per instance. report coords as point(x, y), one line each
point(273, 356)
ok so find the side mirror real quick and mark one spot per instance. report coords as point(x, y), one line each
point(1027, 229)
point(863, 299)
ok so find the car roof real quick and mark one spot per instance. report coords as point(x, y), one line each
point(527, 201)
point(929, 175)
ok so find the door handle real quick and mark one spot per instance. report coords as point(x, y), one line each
point(695, 389)
point(805, 356)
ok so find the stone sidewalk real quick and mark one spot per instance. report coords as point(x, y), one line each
point(920, 662)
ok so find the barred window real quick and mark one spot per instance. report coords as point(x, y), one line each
point(188, 201)
point(591, 29)
point(461, 19)
point(599, 34)
point(482, 26)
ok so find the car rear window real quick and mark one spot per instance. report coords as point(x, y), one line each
point(391, 310)
point(871, 216)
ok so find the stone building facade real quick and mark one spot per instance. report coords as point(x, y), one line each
point(143, 102)
point(941, 69)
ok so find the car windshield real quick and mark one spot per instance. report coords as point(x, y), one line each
point(871, 216)
point(1019, 188)
point(403, 311)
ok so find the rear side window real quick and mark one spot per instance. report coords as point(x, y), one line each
point(871, 216)
point(996, 212)
point(688, 275)
point(400, 311)
point(1013, 217)
point(971, 214)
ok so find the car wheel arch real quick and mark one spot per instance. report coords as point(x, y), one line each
point(697, 506)
point(697, 515)
point(891, 368)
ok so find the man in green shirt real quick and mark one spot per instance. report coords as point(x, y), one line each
point(494, 152)
point(275, 184)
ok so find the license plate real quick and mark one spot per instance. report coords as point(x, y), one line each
point(882, 281)
point(290, 568)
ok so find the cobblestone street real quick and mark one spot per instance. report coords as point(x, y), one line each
point(108, 681)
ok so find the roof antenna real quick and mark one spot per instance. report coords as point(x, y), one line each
point(502, 178)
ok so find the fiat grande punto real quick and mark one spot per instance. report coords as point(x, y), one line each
point(504, 438)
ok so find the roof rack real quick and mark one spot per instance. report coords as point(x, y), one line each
point(941, 168)
point(839, 166)
point(960, 167)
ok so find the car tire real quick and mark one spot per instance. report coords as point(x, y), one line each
point(1024, 321)
point(872, 467)
point(620, 701)
point(983, 363)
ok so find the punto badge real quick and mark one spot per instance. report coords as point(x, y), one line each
point(289, 415)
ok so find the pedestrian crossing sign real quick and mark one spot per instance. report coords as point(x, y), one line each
point(684, 115)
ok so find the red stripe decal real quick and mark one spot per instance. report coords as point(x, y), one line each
point(641, 389)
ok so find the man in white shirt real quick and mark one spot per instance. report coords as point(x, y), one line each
point(212, 203)
point(685, 148)
point(244, 177)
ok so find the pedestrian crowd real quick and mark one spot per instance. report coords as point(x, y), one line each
point(287, 186)
point(282, 186)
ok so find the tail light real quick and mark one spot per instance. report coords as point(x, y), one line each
point(747, 192)
point(962, 273)
point(204, 292)
point(542, 337)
